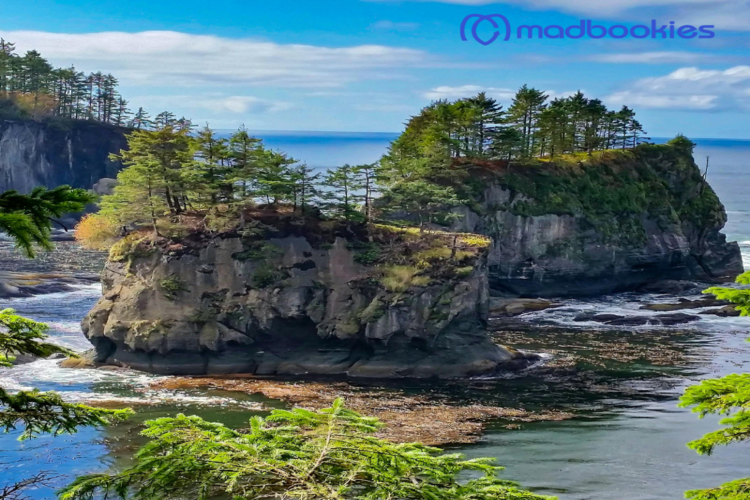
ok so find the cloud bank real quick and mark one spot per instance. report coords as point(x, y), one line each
point(172, 59)
point(690, 89)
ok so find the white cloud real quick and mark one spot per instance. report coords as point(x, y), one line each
point(179, 59)
point(724, 14)
point(216, 103)
point(503, 94)
point(241, 104)
point(690, 88)
point(394, 26)
point(634, 99)
point(665, 57)
point(450, 93)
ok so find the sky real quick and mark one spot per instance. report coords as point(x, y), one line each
point(367, 65)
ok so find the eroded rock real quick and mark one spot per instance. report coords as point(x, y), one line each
point(293, 305)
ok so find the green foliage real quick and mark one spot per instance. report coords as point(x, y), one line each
point(265, 276)
point(738, 296)
point(401, 278)
point(28, 219)
point(32, 88)
point(369, 254)
point(35, 411)
point(259, 250)
point(19, 335)
point(422, 198)
point(344, 198)
point(128, 248)
point(47, 413)
point(683, 144)
point(729, 396)
point(171, 286)
point(734, 490)
point(298, 454)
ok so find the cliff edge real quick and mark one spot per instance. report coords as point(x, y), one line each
point(74, 153)
point(609, 222)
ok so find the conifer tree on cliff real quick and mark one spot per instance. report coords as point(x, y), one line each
point(343, 197)
point(524, 113)
point(27, 219)
point(158, 179)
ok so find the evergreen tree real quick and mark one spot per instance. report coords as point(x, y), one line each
point(365, 176)
point(158, 178)
point(141, 120)
point(27, 219)
point(422, 198)
point(343, 198)
point(244, 153)
point(304, 187)
point(165, 119)
point(299, 454)
point(273, 178)
point(524, 113)
point(728, 396)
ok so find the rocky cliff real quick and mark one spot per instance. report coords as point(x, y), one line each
point(613, 221)
point(75, 153)
point(299, 296)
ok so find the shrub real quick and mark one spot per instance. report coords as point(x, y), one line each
point(96, 232)
point(401, 278)
point(172, 286)
point(266, 276)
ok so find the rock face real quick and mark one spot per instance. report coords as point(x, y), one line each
point(289, 305)
point(40, 154)
point(616, 223)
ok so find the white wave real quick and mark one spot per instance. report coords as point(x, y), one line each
point(154, 397)
point(629, 305)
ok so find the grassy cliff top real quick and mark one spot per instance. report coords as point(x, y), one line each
point(660, 182)
point(399, 257)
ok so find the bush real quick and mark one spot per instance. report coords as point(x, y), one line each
point(401, 278)
point(172, 286)
point(96, 232)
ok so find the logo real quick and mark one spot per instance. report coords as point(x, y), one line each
point(480, 19)
point(584, 29)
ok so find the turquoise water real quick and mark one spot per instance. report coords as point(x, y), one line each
point(628, 440)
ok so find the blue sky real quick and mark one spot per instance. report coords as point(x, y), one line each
point(354, 65)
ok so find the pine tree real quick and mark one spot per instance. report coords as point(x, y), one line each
point(244, 154)
point(273, 177)
point(141, 120)
point(343, 197)
point(156, 180)
point(304, 187)
point(365, 176)
point(300, 454)
point(165, 119)
point(728, 396)
point(27, 219)
point(424, 199)
point(524, 112)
